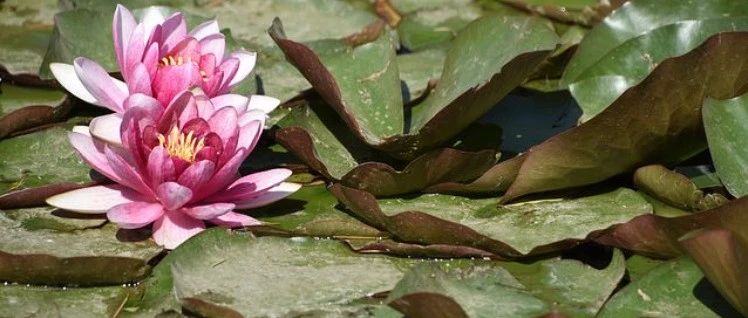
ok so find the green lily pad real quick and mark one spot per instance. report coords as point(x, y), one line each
point(33, 250)
point(626, 135)
point(22, 48)
point(511, 230)
point(48, 218)
point(418, 68)
point(444, 113)
point(621, 52)
point(316, 135)
point(725, 132)
point(638, 266)
point(40, 158)
point(495, 289)
point(312, 211)
point(433, 24)
point(674, 289)
point(234, 270)
point(27, 107)
point(27, 301)
point(658, 236)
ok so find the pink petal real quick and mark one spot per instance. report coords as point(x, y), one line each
point(140, 80)
point(205, 109)
point(236, 101)
point(249, 135)
point(152, 16)
point(205, 29)
point(160, 166)
point(100, 84)
point(229, 68)
point(174, 30)
point(174, 228)
point(223, 176)
point(224, 122)
point(122, 27)
point(233, 219)
point(251, 186)
point(66, 76)
point(209, 211)
point(97, 199)
point(128, 176)
point(173, 195)
point(271, 195)
point(172, 80)
point(92, 152)
point(197, 174)
point(174, 109)
point(135, 50)
point(107, 128)
point(135, 215)
point(213, 44)
point(246, 64)
point(147, 103)
point(150, 60)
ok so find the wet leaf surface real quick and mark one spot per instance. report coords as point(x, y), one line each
point(51, 250)
point(309, 276)
point(673, 289)
point(510, 230)
point(494, 289)
point(25, 301)
point(621, 138)
point(631, 42)
point(39, 158)
point(725, 131)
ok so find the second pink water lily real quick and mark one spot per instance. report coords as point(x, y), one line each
point(159, 58)
point(176, 167)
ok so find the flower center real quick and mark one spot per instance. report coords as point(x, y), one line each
point(182, 146)
point(172, 61)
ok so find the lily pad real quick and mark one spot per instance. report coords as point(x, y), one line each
point(35, 301)
point(623, 137)
point(510, 230)
point(430, 25)
point(658, 236)
point(27, 107)
point(495, 289)
point(725, 131)
point(312, 211)
point(48, 218)
point(40, 158)
point(316, 135)
point(674, 289)
point(308, 276)
point(31, 252)
point(631, 42)
point(444, 112)
point(22, 49)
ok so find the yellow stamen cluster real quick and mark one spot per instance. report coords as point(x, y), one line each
point(182, 146)
point(171, 61)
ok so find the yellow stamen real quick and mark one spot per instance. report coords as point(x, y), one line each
point(182, 146)
point(172, 61)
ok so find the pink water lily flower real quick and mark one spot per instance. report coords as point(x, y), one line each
point(159, 58)
point(176, 168)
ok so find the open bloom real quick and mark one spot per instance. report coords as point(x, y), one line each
point(159, 58)
point(176, 168)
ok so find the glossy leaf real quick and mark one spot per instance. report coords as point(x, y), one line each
point(674, 289)
point(631, 42)
point(658, 236)
point(308, 276)
point(509, 230)
point(35, 301)
point(725, 132)
point(494, 289)
point(54, 251)
point(38, 159)
point(622, 138)
point(312, 211)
